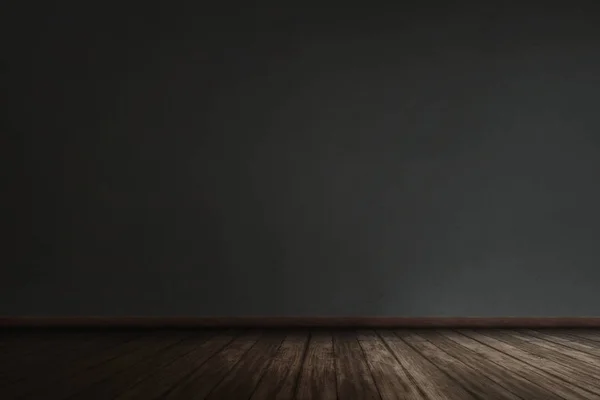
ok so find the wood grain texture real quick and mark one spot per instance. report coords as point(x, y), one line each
point(498, 366)
point(36, 355)
point(582, 362)
point(242, 380)
point(583, 345)
point(592, 335)
point(154, 363)
point(354, 378)
point(389, 375)
point(156, 384)
point(473, 379)
point(281, 376)
point(430, 380)
point(557, 364)
point(207, 377)
point(318, 375)
point(557, 376)
point(302, 364)
point(58, 383)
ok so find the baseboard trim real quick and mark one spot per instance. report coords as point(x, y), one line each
point(298, 322)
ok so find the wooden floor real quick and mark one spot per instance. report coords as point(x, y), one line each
point(301, 364)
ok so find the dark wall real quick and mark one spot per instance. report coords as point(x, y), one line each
point(415, 162)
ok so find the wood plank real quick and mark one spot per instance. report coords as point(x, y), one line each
point(66, 355)
point(580, 361)
point(391, 379)
point(583, 345)
point(156, 384)
point(550, 383)
point(579, 377)
point(27, 343)
point(430, 380)
point(281, 376)
point(119, 383)
point(593, 334)
point(318, 377)
point(202, 381)
point(466, 374)
point(241, 382)
point(70, 385)
point(552, 362)
point(499, 373)
point(555, 375)
point(32, 341)
point(28, 354)
point(23, 354)
point(354, 378)
point(51, 369)
point(419, 364)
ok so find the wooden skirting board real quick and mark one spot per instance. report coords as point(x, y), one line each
point(299, 322)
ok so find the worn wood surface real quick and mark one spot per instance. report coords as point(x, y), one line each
point(254, 364)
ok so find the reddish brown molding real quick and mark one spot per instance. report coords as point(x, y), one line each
point(298, 322)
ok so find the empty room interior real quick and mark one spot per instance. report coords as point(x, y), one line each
point(352, 202)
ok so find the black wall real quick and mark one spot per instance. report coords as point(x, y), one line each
point(414, 162)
